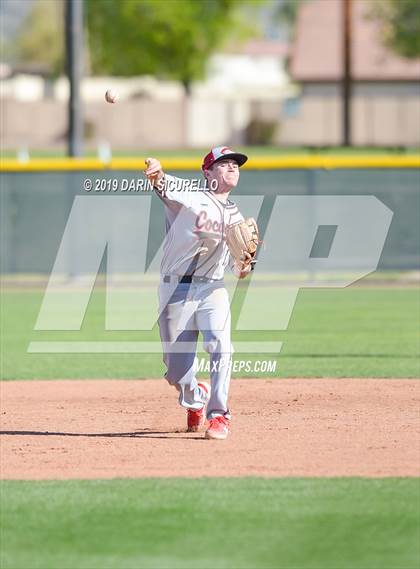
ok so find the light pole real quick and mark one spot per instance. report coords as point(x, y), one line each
point(346, 77)
point(74, 68)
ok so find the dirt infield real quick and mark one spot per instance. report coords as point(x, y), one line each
point(293, 427)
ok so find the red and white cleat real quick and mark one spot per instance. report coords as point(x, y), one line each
point(218, 428)
point(195, 417)
point(195, 420)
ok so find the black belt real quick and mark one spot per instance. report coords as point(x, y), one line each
point(187, 279)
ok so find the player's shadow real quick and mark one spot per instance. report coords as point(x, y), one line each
point(141, 434)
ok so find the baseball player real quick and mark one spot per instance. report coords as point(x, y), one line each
point(192, 295)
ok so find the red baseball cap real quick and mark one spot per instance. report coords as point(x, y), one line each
point(221, 153)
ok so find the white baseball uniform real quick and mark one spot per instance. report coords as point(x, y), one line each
point(192, 295)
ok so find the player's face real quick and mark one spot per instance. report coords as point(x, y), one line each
point(226, 172)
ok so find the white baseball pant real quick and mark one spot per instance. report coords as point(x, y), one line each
point(184, 311)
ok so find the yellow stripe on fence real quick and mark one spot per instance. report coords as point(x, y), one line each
point(268, 163)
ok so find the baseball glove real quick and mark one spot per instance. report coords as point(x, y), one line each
point(243, 239)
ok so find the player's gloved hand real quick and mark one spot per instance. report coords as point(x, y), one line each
point(154, 171)
point(242, 239)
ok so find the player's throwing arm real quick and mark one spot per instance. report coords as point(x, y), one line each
point(154, 172)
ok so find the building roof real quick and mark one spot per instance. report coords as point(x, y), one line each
point(263, 47)
point(317, 51)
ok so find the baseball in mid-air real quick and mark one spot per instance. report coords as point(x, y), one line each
point(111, 96)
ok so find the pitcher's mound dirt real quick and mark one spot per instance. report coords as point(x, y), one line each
point(294, 427)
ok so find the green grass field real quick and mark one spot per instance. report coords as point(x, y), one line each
point(211, 523)
point(352, 332)
point(252, 523)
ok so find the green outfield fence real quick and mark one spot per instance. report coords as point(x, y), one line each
point(36, 198)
